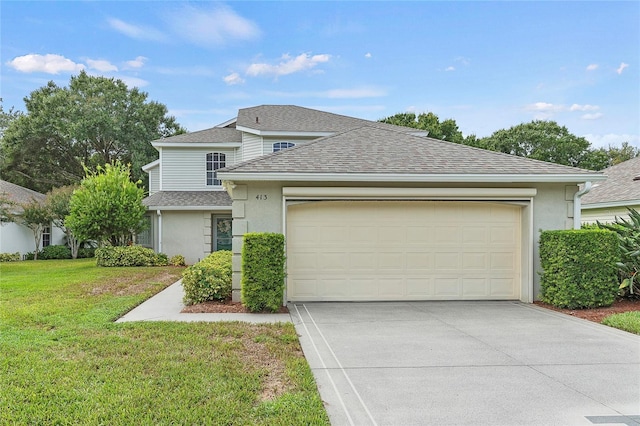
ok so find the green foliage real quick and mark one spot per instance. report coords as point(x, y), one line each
point(86, 252)
point(55, 252)
point(209, 279)
point(36, 217)
point(628, 233)
point(446, 130)
point(94, 121)
point(111, 256)
point(263, 271)
point(627, 321)
point(579, 268)
point(9, 257)
point(107, 206)
point(177, 260)
point(58, 202)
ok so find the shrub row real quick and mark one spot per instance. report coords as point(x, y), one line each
point(579, 268)
point(209, 279)
point(60, 252)
point(263, 271)
point(10, 257)
point(129, 256)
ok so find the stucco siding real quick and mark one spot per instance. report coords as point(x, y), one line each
point(252, 146)
point(186, 233)
point(258, 207)
point(17, 238)
point(185, 169)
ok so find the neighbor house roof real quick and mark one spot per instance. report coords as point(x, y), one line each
point(371, 153)
point(181, 200)
point(19, 194)
point(619, 189)
point(212, 135)
point(291, 118)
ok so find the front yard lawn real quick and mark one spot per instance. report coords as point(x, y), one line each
point(64, 361)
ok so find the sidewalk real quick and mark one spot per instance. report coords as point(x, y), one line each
point(167, 306)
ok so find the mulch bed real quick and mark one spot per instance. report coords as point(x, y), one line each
point(224, 307)
point(598, 314)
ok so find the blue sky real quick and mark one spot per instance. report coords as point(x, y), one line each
point(488, 65)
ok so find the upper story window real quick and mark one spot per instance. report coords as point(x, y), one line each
point(215, 161)
point(279, 146)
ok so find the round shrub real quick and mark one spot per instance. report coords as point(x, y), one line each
point(129, 256)
point(209, 279)
point(177, 260)
point(10, 257)
point(55, 252)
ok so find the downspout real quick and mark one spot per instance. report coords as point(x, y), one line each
point(577, 205)
point(159, 213)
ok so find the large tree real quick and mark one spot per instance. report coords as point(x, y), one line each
point(542, 140)
point(58, 202)
point(93, 121)
point(36, 217)
point(107, 207)
point(446, 130)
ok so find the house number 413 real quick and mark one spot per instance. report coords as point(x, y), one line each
point(261, 197)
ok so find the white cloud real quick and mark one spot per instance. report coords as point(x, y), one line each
point(586, 107)
point(138, 62)
point(367, 55)
point(621, 67)
point(451, 68)
point(137, 32)
point(592, 67)
point(209, 27)
point(49, 63)
point(544, 107)
point(612, 139)
point(133, 81)
point(593, 116)
point(101, 65)
point(233, 78)
point(287, 65)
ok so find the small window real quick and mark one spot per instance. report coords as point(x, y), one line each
point(279, 146)
point(215, 161)
point(46, 236)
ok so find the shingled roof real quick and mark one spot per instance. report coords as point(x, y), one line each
point(212, 135)
point(188, 198)
point(372, 150)
point(19, 194)
point(620, 185)
point(292, 118)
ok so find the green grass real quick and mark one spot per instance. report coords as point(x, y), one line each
point(627, 321)
point(64, 361)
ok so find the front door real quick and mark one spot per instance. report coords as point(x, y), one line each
point(221, 238)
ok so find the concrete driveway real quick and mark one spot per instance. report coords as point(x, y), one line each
point(468, 363)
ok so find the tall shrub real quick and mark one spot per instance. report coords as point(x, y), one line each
point(628, 233)
point(579, 268)
point(263, 271)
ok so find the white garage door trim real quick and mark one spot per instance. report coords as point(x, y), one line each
point(514, 196)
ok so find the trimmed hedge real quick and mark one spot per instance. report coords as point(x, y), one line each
point(129, 256)
point(10, 257)
point(209, 279)
point(263, 271)
point(55, 252)
point(579, 268)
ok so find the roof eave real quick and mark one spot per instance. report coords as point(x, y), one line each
point(150, 166)
point(189, 208)
point(384, 177)
point(610, 204)
point(282, 133)
point(197, 144)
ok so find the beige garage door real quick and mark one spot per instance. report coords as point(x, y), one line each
point(403, 250)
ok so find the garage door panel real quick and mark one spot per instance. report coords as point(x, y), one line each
point(366, 250)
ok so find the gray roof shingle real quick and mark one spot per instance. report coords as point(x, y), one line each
point(292, 118)
point(212, 135)
point(619, 185)
point(19, 194)
point(188, 198)
point(381, 151)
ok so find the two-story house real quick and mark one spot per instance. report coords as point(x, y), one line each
point(370, 211)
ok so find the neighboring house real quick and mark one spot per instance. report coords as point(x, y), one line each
point(18, 238)
point(611, 198)
point(370, 211)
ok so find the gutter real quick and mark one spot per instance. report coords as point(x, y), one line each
point(159, 213)
point(577, 204)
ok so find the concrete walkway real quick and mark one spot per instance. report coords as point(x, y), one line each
point(467, 363)
point(167, 306)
